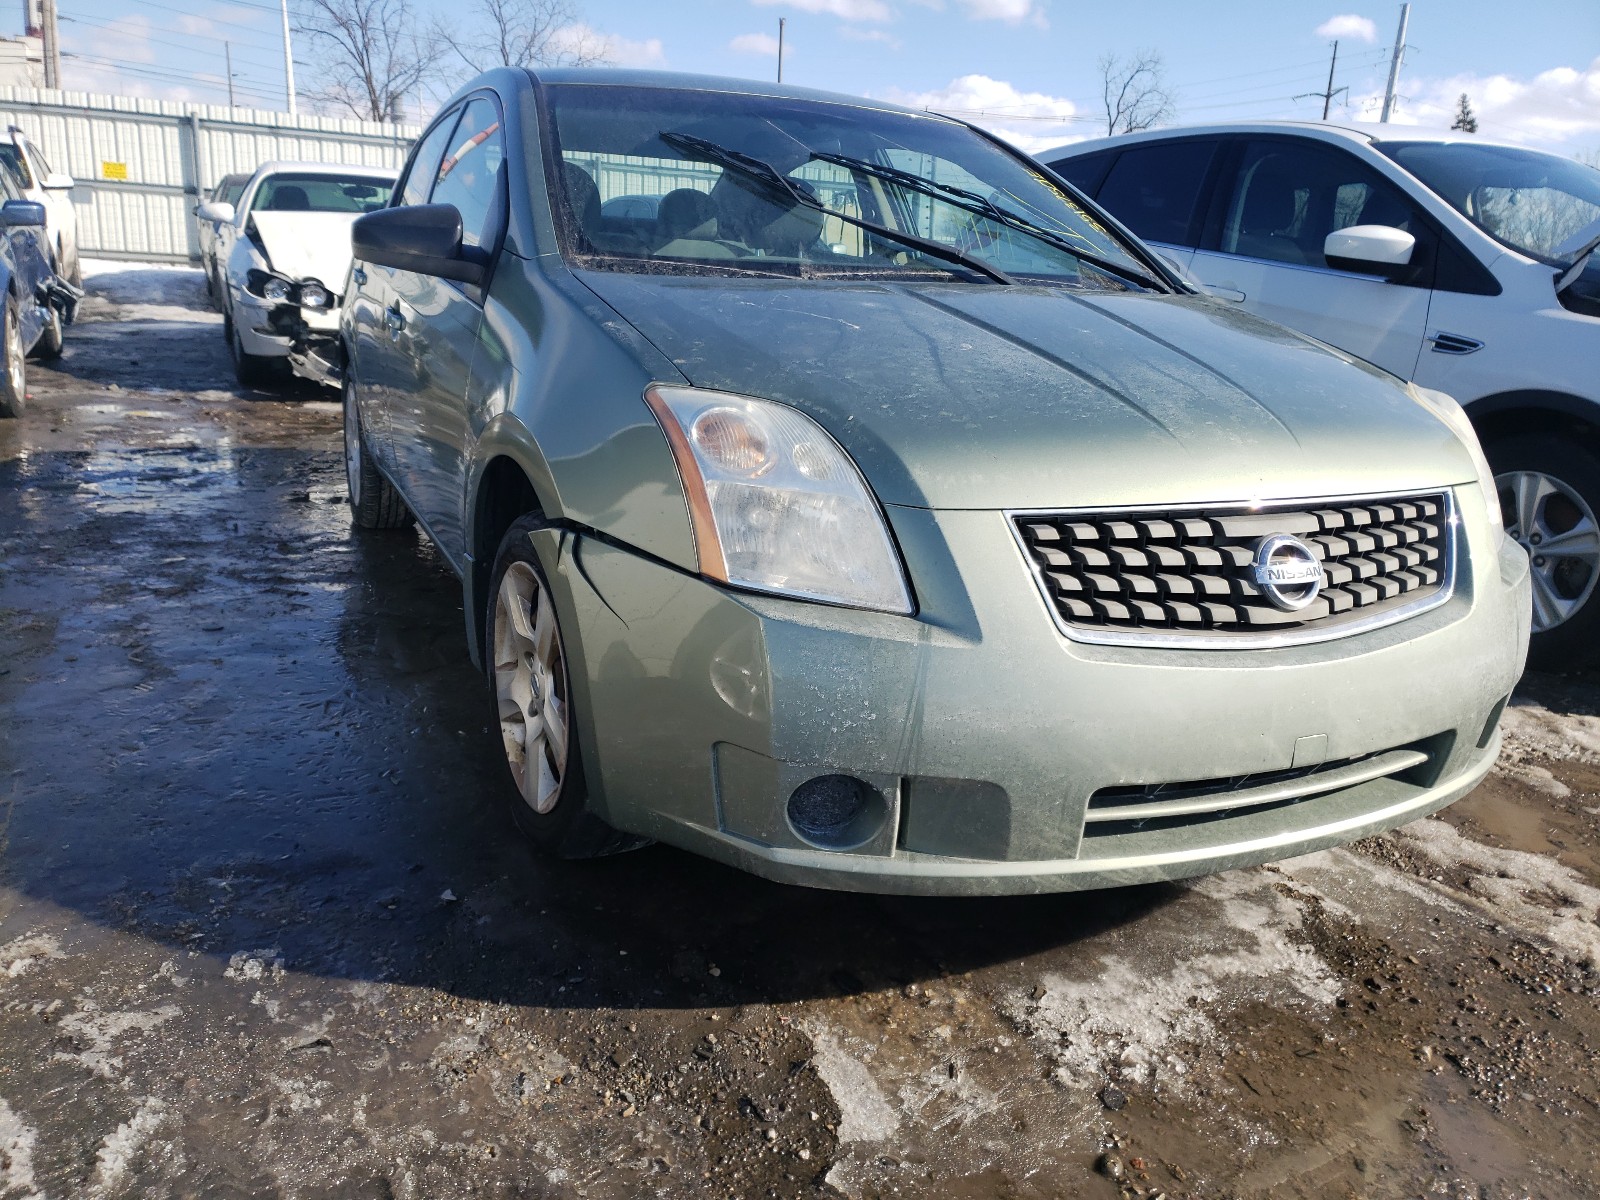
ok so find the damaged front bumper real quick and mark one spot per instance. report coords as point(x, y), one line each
point(982, 736)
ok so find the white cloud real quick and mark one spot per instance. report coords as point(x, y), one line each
point(615, 50)
point(848, 10)
point(852, 33)
point(755, 43)
point(1028, 120)
point(1348, 25)
point(1554, 107)
point(1012, 12)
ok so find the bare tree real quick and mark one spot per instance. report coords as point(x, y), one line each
point(370, 53)
point(522, 33)
point(1135, 92)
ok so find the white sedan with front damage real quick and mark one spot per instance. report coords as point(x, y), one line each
point(286, 256)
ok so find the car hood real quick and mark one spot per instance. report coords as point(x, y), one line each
point(307, 245)
point(988, 396)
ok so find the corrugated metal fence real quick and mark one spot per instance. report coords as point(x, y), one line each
point(140, 166)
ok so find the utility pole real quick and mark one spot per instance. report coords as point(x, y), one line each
point(1395, 60)
point(227, 53)
point(288, 60)
point(50, 31)
point(1330, 91)
point(780, 49)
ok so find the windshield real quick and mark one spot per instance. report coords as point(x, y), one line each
point(1537, 203)
point(731, 184)
point(321, 193)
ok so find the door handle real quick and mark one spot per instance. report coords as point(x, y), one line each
point(394, 318)
point(1223, 293)
point(359, 276)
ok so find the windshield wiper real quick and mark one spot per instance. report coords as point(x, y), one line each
point(984, 207)
point(766, 174)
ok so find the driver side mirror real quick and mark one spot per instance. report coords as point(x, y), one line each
point(1369, 249)
point(425, 238)
point(21, 214)
point(215, 210)
point(58, 181)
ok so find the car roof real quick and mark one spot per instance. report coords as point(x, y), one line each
point(1352, 133)
point(684, 81)
point(281, 166)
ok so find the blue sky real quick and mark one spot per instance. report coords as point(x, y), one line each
point(1028, 66)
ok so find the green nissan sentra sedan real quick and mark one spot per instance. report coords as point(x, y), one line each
point(838, 494)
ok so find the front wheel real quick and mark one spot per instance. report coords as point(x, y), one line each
point(13, 372)
point(251, 370)
point(1549, 494)
point(533, 706)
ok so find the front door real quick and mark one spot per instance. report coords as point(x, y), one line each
point(436, 323)
point(1286, 197)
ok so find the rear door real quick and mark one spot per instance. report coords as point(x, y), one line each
point(434, 325)
point(1280, 199)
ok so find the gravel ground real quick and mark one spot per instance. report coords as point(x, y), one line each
point(266, 929)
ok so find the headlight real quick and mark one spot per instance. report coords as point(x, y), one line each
point(314, 295)
point(275, 289)
point(776, 504)
point(1452, 414)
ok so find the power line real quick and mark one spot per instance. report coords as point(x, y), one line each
point(113, 27)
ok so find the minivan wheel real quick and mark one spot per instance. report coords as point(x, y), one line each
point(13, 372)
point(375, 503)
point(530, 688)
point(1549, 494)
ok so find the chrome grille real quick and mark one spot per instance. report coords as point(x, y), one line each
point(1190, 572)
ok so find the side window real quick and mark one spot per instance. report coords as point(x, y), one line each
point(469, 175)
point(1085, 171)
point(1153, 189)
point(1288, 197)
point(425, 163)
point(40, 163)
point(12, 157)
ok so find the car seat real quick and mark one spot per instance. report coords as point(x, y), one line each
point(1270, 206)
point(290, 198)
point(683, 212)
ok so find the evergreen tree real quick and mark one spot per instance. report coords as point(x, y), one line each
point(1465, 120)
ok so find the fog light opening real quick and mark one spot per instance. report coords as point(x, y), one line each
point(1492, 723)
point(836, 812)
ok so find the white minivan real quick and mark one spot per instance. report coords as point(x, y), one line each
point(1460, 263)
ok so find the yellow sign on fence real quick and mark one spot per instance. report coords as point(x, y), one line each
point(114, 170)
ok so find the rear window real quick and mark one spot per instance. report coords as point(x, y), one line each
point(1153, 189)
point(321, 193)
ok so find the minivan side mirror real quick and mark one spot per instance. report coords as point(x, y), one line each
point(1370, 249)
point(219, 211)
point(425, 238)
point(22, 214)
point(58, 181)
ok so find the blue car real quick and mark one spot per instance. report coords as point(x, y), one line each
point(37, 302)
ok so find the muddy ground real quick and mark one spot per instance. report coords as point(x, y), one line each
point(266, 929)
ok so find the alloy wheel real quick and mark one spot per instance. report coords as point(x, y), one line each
point(530, 679)
point(1556, 527)
point(352, 448)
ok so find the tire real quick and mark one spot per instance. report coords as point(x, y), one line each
point(1550, 489)
point(13, 369)
point(251, 370)
point(53, 340)
point(375, 503)
point(548, 802)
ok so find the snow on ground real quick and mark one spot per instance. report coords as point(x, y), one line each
point(142, 291)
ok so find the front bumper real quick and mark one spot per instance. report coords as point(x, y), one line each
point(275, 330)
point(985, 732)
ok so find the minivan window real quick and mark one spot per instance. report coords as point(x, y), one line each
point(1533, 202)
point(1152, 189)
point(469, 173)
point(726, 169)
point(1288, 196)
